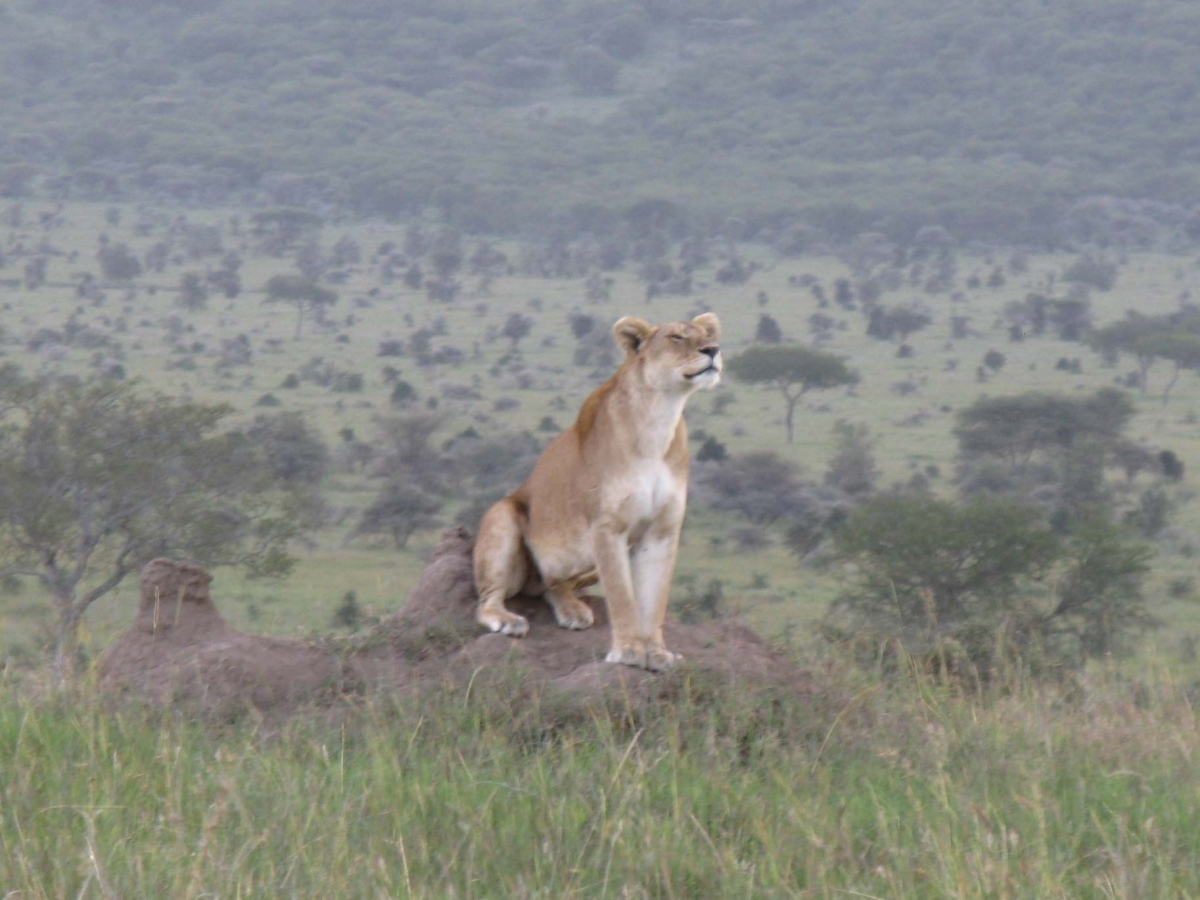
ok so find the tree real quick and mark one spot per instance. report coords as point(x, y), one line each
point(931, 573)
point(118, 263)
point(1017, 428)
point(929, 570)
point(193, 295)
point(793, 371)
point(994, 360)
point(1092, 272)
point(768, 330)
point(1049, 449)
point(303, 293)
point(886, 323)
point(1181, 350)
point(398, 511)
point(852, 467)
point(1134, 335)
point(97, 480)
point(282, 227)
point(1100, 600)
point(294, 451)
point(516, 327)
point(760, 486)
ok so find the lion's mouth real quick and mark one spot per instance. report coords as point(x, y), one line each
point(711, 367)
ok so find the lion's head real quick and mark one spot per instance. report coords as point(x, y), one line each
point(677, 356)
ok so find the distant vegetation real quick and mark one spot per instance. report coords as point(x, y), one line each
point(809, 121)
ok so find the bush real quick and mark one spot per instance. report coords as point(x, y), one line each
point(349, 612)
point(1092, 272)
point(962, 582)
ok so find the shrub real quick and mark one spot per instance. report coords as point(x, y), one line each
point(960, 582)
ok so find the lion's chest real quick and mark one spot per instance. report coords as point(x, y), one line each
point(646, 494)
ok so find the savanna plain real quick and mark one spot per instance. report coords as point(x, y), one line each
point(892, 777)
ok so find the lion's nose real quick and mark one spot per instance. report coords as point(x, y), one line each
point(710, 350)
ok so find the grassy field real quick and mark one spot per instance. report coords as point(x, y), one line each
point(860, 789)
point(913, 424)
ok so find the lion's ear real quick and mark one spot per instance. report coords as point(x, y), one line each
point(630, 332)
point(709, 324)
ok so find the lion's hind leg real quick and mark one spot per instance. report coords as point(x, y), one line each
point(502, 567)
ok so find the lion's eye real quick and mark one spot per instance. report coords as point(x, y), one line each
point(677, 337)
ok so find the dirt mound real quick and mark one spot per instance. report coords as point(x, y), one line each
point(180, 650)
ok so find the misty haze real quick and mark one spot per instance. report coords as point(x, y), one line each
point(291, 293)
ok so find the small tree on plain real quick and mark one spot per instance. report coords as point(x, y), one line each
point(193, 295)
point(400, 510)
point(294, 450)
point(303, 294)
point(768, 330)
point(97, 480)
point(793, 371)
point(517, 327)
point(118, 262)
point(852, 467)
point(1182, 351)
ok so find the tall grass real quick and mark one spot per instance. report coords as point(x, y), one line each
point(857, 789)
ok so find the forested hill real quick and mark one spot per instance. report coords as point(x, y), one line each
point(1024, 120)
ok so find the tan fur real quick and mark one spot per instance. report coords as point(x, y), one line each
point(606, 499)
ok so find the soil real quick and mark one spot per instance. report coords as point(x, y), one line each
point(181, 652)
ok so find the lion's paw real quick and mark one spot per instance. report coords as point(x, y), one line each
point(655, 659)
point(504, 622)
point(659, 659)
point(574, 614)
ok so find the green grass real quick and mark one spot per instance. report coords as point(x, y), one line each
point(858, 789)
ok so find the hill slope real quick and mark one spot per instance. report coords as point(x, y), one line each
point(992, 119)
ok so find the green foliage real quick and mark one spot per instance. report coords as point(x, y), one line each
point(744, 110)
point(118, 263)
point(852, 467)
point(965, 580)
point(301, 292)
point(794, 364)
point(793, 370)
point(295, 452)
point(1100, 601)
point(97, 480)
point(1016, 428)
point(399, 510)
point(349, 612)
point(1092, 272)
point(928, 566)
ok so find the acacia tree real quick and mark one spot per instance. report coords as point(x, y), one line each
point(1133, 335)
point(793, 370)
point(97, 480)
point(301, 292)
point(516, 327)
point(1181, 350)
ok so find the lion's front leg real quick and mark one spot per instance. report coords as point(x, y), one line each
point(635, 590)
point(612, 565)
point(652, 564)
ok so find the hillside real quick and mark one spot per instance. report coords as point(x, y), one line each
point(1023, 121)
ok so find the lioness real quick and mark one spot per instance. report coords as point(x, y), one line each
point(605, 500)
